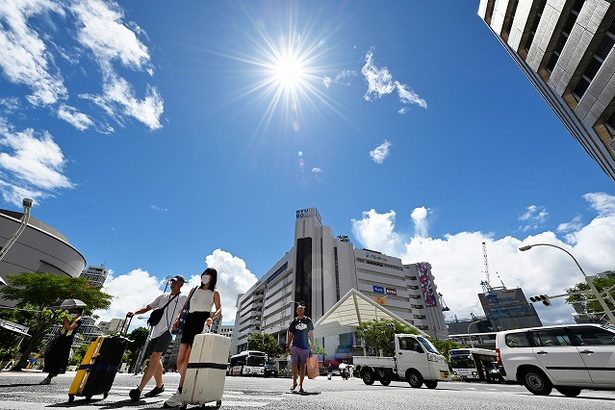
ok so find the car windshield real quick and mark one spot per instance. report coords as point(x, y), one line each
point(256, 360)
point(430, 348)
point(464, 362)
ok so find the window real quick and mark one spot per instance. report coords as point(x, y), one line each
point(530, 32)
point(552, 56)
point(431, 348)
point(551, 337)
point(595, 63)
point(410, 343)
point(517, 340)
point(592, 336)
point(508, 19)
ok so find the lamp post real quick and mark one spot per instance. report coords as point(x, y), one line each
point(588, 279)
point(27, 205)
point(469, 335)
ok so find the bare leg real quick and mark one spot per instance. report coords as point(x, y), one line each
point(294, 370)
point(182, 361)
point(152, 370)
point(302, 368)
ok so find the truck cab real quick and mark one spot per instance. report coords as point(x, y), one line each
point(416, 361)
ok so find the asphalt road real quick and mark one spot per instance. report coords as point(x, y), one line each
point(20, 391)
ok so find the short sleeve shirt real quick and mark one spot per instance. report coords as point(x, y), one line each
point(300, 328)
point(170, 312)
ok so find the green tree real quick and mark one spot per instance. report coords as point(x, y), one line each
point(37, 291)
point(319, 349)
point(264, 342)
point(139, 338)
point(581, 300)
point(444, 346)
point(380, 334)
point(78, 353)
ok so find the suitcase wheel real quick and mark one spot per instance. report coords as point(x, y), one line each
point(88, 398)
point(71, 398)
point(218, 404)
point(105, 395)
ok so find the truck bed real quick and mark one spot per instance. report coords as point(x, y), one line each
point(374, 361)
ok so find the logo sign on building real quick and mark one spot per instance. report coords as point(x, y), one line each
point(378, 289)
point(426, 284)
point(302, 213)
point(391, 291)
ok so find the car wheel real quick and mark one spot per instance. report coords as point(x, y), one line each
point(385, 382)
point(431, 384)
point(368, 377)
point(537, 382)
point(569, 391)
point(414, 378)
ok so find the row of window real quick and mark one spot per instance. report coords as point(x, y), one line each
point(573, 336)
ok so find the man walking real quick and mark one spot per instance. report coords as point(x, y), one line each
point(301, 338)
point(166, 308)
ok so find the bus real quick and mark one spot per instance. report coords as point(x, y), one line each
point(247, 363)
point(474, 364)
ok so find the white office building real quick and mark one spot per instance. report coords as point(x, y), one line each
point(318, 270)
point(565, 48)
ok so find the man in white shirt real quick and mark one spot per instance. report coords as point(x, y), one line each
point(160, 336)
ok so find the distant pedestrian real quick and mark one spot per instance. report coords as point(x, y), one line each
point(201, 301)
point(58, 351)
point(165, 309)
point(351, 371)
point(329, 371)
point(301, 344)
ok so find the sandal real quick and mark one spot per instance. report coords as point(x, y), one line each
point(293, 387)
point(301, 391)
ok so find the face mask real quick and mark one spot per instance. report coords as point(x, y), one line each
point(74, 314)
point(205, 279)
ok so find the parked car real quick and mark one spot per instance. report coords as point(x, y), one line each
point(271, 370)
point(568, 358)
point(416, 361)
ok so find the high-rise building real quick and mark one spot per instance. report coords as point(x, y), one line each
point(96, 275)
point(318, 271)
point(565, 48)
point(226, 330)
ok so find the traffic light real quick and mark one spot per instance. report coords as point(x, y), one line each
point(541, 298)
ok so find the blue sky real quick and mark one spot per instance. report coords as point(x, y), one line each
point(140, 130)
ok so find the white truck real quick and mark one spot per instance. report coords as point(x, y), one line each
point(416, 361)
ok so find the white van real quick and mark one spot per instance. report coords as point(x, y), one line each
point(568, 357)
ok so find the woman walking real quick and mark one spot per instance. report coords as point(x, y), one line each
point(56, 356)
point(200, 303)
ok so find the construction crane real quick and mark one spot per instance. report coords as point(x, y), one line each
point(486, 284)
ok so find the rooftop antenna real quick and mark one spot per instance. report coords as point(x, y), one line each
point(485, 283)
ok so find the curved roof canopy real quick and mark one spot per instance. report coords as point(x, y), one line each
point(352, 310)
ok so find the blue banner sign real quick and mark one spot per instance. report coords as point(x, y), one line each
point(378, 289)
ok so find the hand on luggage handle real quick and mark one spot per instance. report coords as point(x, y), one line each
point(124, 331)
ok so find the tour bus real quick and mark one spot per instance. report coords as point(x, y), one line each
point(474, 364)
point(248, 363)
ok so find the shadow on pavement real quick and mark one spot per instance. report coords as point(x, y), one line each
point(76, 403)
point(19, 385)
point(129, 403)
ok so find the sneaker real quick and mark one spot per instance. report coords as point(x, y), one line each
point(154, 392)
point(135, 394)
point(173, 401)
point(46, 380)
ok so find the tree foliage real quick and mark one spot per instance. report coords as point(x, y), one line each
point(264, 342)
point(444, 346)
point(582, 303)
point(138, 337)
point(380, 334)
point(37, 291)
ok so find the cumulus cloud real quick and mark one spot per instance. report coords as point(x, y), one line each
point(573, 225)
point(99, 31)
point(421, 224)
point(326, 81)
point(380, 82)
point(10, 104)
point(77, 119)
point(32, 165)
point(381, 152)
point(457, 259)
point(533, 217)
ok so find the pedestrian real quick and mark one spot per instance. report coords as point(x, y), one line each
point(165, 309)
point(199, 305)
point(351, 371)
point(329, 371)
point(58, 351)
point(301, 337)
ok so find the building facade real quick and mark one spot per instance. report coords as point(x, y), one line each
point(565, 48)
point(320, 269)
point(508, 309)
point(226, 330)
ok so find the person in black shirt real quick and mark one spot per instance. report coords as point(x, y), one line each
point(301, 338)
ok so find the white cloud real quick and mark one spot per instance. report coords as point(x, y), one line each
point(131, 291)
point(421, 224)
point(10, 104)
point(345, 74)
point(24, 58)
point(77, 119)
point(326, 81)
point(457, 260)
point(316, 171)
point(381, 152)
point(376, 231)
point(234, 278)
point(533, 217)
point(380, 82)
point(402, 110)
point(31, 165)
point(158, 208)
point(573, 225)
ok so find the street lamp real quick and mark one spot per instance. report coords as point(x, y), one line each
point(469, 335)
point(588, 279)
point(27, 205)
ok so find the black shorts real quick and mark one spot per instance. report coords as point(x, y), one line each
point(161, 343)
point(195, 323)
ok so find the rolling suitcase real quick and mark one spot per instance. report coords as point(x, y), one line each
point(206, 372)
point(99, 366)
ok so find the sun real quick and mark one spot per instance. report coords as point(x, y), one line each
point(289, 72)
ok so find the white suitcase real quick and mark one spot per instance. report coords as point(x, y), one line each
point(206, 370)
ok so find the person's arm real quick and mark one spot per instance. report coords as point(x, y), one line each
point(218, 311)
point(311, 334)
point(70, 325)
point(153, 305)
point(290, 336)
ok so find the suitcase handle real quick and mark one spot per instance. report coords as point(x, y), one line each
point(124, 331)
